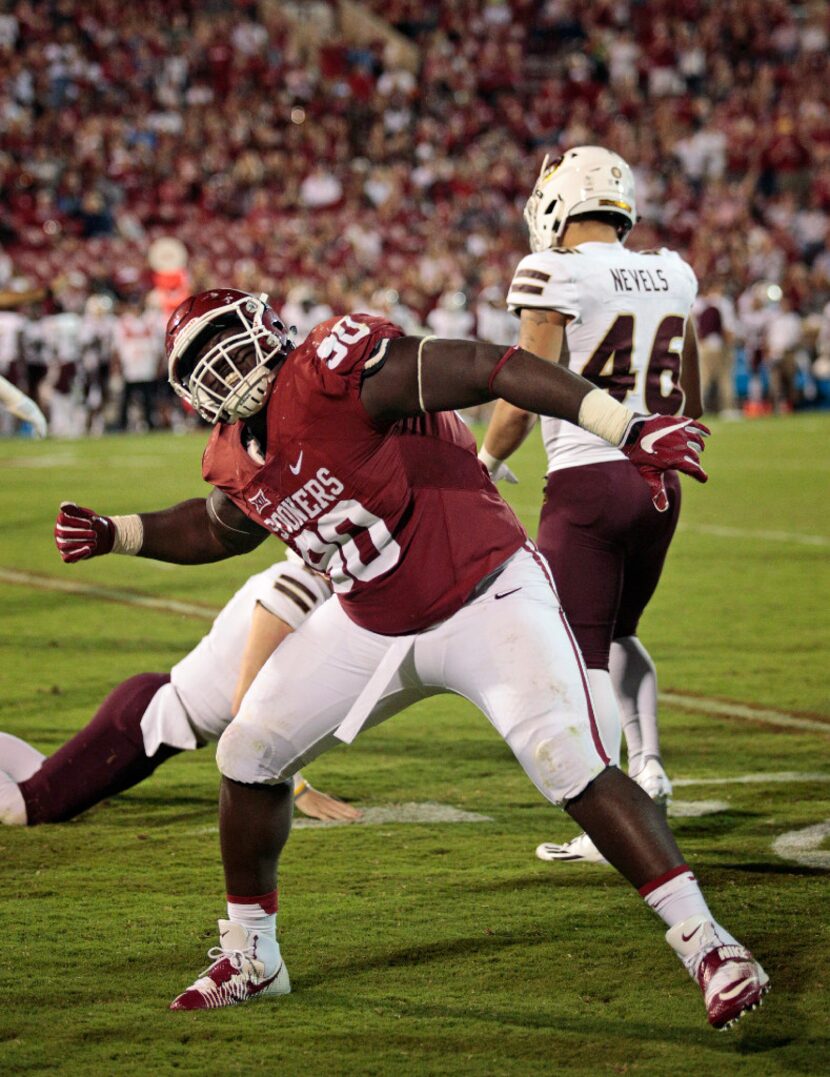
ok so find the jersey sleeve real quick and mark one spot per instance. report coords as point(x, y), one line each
point(292, 592)
point(686, 272)
point(546, 281)
point(350, 348)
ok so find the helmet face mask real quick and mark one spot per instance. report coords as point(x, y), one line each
point(586, 179)
point(223, 348)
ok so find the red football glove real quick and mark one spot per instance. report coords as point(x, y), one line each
point(658, 443)
point(80, 533)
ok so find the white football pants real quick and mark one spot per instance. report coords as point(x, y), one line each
point(509, 651)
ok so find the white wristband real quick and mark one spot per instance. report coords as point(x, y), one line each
point(490, 462)
point(129, 534)
point(600, 414)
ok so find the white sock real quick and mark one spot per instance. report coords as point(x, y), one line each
point(18, 759)
point(12, 804)
point(635, 682)
point(258, 913)
point(676, 896)
point(633, 743)
point(606, 712)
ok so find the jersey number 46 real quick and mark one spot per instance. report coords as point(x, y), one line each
point(610, 366)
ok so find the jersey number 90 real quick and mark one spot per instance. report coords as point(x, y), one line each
point(349, 543)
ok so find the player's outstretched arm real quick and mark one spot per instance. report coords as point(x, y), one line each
point(690, 373)
point(22, 407)
point(194, 532)
point(541, 332)
point(317, 805)
point(266, 633)
point(431, 375)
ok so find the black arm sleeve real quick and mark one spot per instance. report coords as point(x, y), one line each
point(459, 374)
point(199, 531)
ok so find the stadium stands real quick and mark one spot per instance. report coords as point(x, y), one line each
point(287, 153)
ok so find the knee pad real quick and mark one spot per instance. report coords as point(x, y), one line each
point(562, 762)
point(250, 753)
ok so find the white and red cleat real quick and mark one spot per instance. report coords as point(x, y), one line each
point(245, 966)
point(578, 850)
point(654, 781)
point(732, 981)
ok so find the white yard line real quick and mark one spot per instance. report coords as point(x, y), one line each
point(780, 777)
point(739, 710)
point(759, 534)
point(804, 846)
point(792, 538)
point(207, 613)
point(109, 594)
point(382, 814)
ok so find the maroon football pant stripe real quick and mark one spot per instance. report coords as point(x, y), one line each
point(102, 759)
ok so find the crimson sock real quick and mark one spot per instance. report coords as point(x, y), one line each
point(258, 913)
point(104, 758)
point(675, 896)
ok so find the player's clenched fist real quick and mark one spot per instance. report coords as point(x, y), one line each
point(81, 533)
point(658, 443)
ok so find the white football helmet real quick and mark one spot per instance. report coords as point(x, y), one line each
point(586, 179)
point(225, 378)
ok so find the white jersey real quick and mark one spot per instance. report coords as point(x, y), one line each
point(61, 333)
point(196, 706)
point(628, 315)
point(11, 326)
point(140, 347)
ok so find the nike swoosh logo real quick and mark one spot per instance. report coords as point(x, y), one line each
point(295, 468)
point(504, 594)
point(725, 996)
point(254, 989)
point(691, 934)
point(651, 439)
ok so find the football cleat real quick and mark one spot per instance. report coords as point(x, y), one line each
point(654, 781)
point(245, 966)
point(579, 849)
point(732, 981)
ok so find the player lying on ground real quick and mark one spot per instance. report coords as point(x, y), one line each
point(154, 716)
point(347, 449)
point(622, 319)
point(22, 407)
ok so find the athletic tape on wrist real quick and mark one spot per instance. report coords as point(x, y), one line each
point(129, 534)
point(508, 355)
point(600, 414)
point(490, 462)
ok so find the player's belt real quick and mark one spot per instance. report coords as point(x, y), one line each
point(396, 653)
point(487, 582)
point(374, 688)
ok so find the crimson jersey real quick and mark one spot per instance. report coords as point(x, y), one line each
point(402, 516)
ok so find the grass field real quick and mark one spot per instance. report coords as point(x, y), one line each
point(426, 948)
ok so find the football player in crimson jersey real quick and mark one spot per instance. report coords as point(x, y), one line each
point(152, 717)
point(622, 319)
point(345, 448)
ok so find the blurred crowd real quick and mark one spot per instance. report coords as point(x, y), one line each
point(336, 177)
